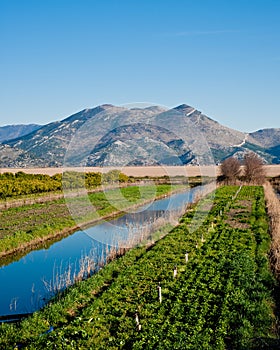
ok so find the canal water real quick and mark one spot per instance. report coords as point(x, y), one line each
point(27, 284)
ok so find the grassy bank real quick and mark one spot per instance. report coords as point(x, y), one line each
point(220, 298)
point(27, 226)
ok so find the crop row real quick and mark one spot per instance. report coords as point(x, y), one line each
point(155, 298)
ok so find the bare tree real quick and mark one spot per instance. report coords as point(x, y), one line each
point(230, 169)
point(253, 168)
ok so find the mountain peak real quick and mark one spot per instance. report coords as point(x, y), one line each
point(106, 106)
point(182, 106)
point(186, 109)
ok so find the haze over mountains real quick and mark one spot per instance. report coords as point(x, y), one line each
point(138, 136)
point(10, 132)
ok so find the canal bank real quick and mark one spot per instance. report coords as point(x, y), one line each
point(29, 227)
point(43, 272)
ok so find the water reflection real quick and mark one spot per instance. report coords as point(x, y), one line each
point(24, 282)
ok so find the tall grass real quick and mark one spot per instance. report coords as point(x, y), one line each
point(273, 210)
point(138, 234)
point(65, 276)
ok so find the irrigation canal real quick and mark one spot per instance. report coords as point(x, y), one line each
point(28, 283)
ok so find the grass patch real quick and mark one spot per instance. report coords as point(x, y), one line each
point(30, 223)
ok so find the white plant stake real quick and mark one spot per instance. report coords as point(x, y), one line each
point(175, 271)
point(159, 292)
point(187, 256)
point(138, 325)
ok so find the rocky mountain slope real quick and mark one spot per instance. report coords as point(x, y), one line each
point(268, 138)
point(110, 135)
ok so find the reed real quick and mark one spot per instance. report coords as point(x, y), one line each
point(137, 235)
point(273, 211)
point(65, 276)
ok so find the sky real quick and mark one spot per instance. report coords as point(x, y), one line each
point(220, 56)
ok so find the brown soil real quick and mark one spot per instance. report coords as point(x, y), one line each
point(27, 218)
point(237, 216)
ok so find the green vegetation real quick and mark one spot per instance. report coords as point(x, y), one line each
point(221, 298)
point(19, 184)
point(24, 225)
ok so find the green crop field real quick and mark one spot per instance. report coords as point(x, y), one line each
point(26, 225)
point(223, 297)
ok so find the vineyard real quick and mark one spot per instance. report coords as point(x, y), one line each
point(207, 289)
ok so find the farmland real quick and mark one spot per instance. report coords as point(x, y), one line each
point(27, 226)
point(221, 295)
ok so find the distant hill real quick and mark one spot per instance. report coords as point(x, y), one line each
point(49, 143)
point(9, 132)
point(136, 142)
point(268, 138)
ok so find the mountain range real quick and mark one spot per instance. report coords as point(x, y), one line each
point(10, 132)
point(117, 136)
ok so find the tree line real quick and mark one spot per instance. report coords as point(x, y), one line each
point(250, 170)
point(20, 183)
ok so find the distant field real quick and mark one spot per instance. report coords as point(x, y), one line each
point(271, 170)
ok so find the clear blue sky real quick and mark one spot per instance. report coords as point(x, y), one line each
point(220, 56)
